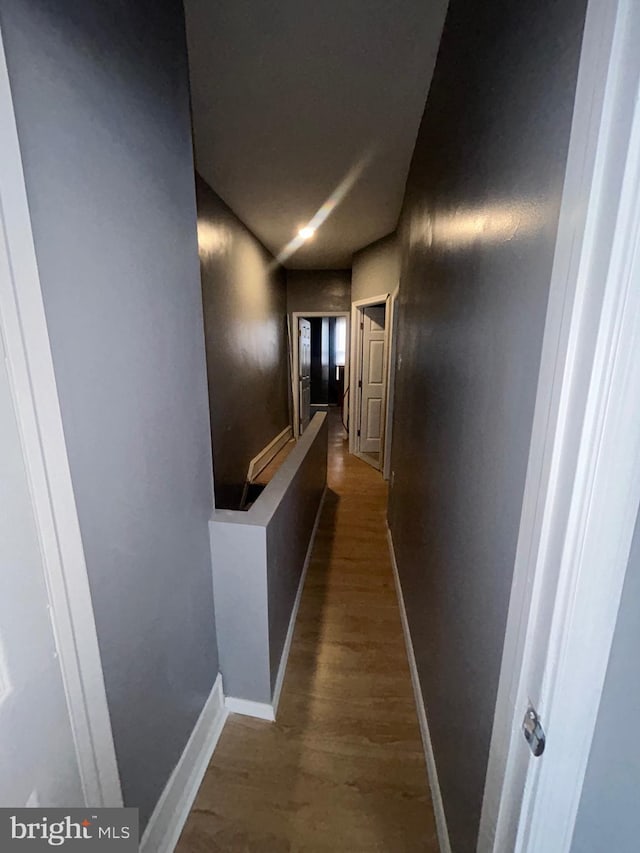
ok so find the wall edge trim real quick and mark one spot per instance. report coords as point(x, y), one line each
point(269, 452)
point(432, 771)
point(172, 809)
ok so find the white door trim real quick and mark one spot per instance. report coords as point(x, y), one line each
point(356, 368)
point(30, 367)
point(583, 481)
point(391, 383)
point(295, 316)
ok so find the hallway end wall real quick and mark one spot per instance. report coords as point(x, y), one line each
point(244, 297)
point(101, 97)
point(376, 269)
point(477, 234)
point(318, 290)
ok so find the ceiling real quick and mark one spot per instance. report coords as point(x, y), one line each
point(302, 104)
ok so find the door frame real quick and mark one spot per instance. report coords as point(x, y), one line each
point(356, 372)
point(391, 382)
point(582, 489)
point(302, 315)
point(31, 375)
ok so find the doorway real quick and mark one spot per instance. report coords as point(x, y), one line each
point(320, 365)
point(372, 322)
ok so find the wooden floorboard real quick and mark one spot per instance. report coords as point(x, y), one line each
point(342, 769)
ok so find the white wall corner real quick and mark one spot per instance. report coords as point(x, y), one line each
point(249, 708)
point(436, 795)
point(172, 810)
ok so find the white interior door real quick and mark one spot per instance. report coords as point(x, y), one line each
point(583, 480)
point(373, 379)
point(304, 371)
point(39, 762)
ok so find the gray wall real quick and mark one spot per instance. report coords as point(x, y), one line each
point(318, 290)
point(258, 557)
point(288, 535)
point(102, 105)
point(477, 233)
point(244, 297)
point(376, 269)
point(239, 561)
point(608, 816)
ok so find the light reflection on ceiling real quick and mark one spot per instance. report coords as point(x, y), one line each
point(326, 209)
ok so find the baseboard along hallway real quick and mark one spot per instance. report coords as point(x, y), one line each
point(342, 768)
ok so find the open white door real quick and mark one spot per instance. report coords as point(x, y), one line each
point(304, 377)
point(583, 481)
point(40, 766)
point(372, 411)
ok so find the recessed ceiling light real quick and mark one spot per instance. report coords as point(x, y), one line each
point(307, 232)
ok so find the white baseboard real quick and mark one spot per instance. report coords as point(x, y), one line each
point(296, 606)
point(260, 462)
point(436, 795)
point(261, 710)
point(170, 814)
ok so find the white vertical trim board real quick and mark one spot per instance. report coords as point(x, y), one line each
point(26, 340)
point(170, 814)
point(583, 480)
point(434, 785)
point(391, 382)
point(262, 459)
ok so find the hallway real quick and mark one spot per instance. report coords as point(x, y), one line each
point(343, 768)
